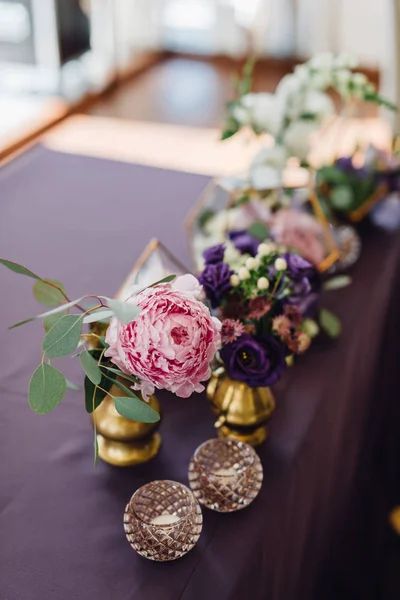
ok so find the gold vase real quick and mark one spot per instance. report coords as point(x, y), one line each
point(242, 411)
point(123, 442)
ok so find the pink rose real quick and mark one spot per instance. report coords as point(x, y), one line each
point(172, 341)
point(299, 231)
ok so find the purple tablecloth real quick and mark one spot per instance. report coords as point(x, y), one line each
point(318, 526)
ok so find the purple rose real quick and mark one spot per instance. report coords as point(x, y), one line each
point(214, 254)
point(297, 266)
point(215, 279)
point(244, 242)
point(257, 360)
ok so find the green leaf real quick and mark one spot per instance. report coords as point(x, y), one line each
point(46, 389)
point(205, 216)
point(63, 338)
point(166, 279)
point(51, 320)
point(120, 374)
point(335, 283)
point(136, 410)
point(13, 266)
point(99, 395)
point(259, 230)
point(331, 175)
point(122, 387)
point(124, 311)
point(96, 448)
point(53, 311)
point(98, 315)
point(48, 295)
point(72, 386)
point(90, 366)
point(342, 197)
point(329, 323)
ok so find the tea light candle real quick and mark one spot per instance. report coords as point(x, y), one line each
point(165, 519)
point(180, 515)
point(232, 486)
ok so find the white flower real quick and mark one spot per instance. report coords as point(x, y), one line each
point(235, 280)
point(320, 80)
point(318, 104)
point(232, 255)
point(297, 138)
point(266, 168)
point(345, 61)
point(325, 60)
point(263, 283)
point(266, 111)
point(274, 157)
point(241, 114)
point(280, 264)
point(265, 248)
point(288, 86)
point(302, 74)
point(251, 263)
point(243, 273)
point(359, 80)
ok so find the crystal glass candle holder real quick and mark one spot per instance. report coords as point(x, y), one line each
point(163, 520)
point(225, 475)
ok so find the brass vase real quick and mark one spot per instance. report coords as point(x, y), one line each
point(242, 411)
point(123, 442)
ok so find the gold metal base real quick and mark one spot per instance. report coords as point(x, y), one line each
point(126, 454)
point(254, 437)
point(123, 442)
point(242, 411)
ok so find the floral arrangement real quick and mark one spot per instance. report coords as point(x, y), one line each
point(284, 219)
point(268, 306)
point(372, 187)
point(162, 337)
point(296, 110)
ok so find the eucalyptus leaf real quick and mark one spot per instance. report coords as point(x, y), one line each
point(122, 387)
point(166, 279)
point(329, 323)
point(13, 266)
point(98, 315)
point(342, 197)
point(46, 389)
point(53, 311)
point(258, 230)
point(124, 311)
point(94, 396)
point(72, 386)
point(90, 366)
point(47, 294)
point(136, 410)
point(51, 320)
point(63, 338)
point(120, 374)
point(335, 283)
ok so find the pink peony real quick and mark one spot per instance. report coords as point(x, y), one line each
point(172, 341)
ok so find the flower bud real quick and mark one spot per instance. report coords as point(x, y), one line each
point(243, 273)
point(280, 264)
point(235, 280)
point(251, 263)
point(263, 283)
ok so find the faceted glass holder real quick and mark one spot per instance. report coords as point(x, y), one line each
point(163, 520)
point(225, 475)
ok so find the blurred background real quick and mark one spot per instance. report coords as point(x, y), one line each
point(57, 56)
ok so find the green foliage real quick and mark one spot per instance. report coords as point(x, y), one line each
point(124, 312)
point(120, 374)
point(13, 266)
point(94, 395)
point(331, 175)
point(342, 197)
point(335, 283)
point(53, 311)
point(136, 410)
point(46, 389)
point(90, 366)
point(72, 386)
point(259, 230)
point(101, 314)
point(63, 338)
point(51, 320)
point(329, 323)
point(47, 294)
point(205, 216)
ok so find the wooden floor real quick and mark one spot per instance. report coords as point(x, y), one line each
point(183, 91)
point(189, 91)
